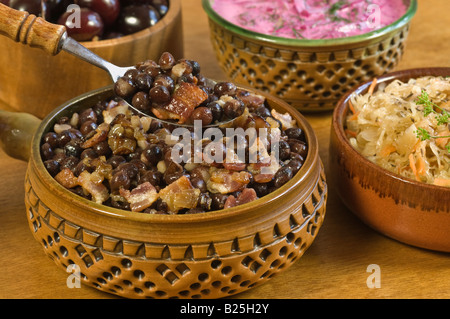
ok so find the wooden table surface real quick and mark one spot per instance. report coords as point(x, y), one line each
point(335, 266)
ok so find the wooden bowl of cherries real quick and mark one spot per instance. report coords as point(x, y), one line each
point(123, 32)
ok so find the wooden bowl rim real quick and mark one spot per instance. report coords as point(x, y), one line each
point(173, 11)
point(302, 175)
point(341, 110)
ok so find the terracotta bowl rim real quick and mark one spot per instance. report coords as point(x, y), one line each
point(173, 11)
point(402, 21)
point(306, 170)
point(342, 107)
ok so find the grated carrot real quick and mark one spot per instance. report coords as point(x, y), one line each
point(352, 108)
point(387, 150)
point(372, 86)
point(422, 168)
point(412, 165)
point(443, 141)
point(354, 117)
point(416, 146)
point(351, 133)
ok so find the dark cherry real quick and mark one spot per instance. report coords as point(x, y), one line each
point(135, 18)
point(53, 9)
point(108, 9)
point(31, 6)
point(91, 24)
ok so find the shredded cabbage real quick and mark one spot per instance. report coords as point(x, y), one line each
point(383, 126)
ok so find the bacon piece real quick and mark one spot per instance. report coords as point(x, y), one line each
point(286, 119)
point(246, 196)
point(224, 181)
point(66, 178)
point(113, 109)
point(101, 168)
point(141, 197)
point(251, 100)
point(121, 138)
point(180, 194)
point(232, 161)
point(184, 100)
point(264, 172)
point(92, 185)
point(164, 114)
point(101, 134)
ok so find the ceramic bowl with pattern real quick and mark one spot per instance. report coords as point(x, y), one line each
point(206, 255)
point(401, 208)
point(311, 75)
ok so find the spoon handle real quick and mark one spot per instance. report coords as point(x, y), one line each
point(28, 29)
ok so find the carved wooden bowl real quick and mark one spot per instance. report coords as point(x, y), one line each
point(30, 77)
point(411, 212)
point(311, 75)
point(209, 255)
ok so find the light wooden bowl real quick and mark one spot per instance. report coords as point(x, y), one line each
point(411, 212)
point(208, 255)
point(35, 82)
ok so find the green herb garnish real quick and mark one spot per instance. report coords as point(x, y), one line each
point(442, 117)
point(336, 7)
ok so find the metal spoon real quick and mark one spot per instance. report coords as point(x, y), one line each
point(26, 28)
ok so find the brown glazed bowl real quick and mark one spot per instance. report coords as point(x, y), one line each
point(411, 212)
point(311, 75)
point(30, 77)
point(207, 255)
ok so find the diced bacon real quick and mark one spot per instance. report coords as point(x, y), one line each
point(251, 100)
point(98, 191)
point(141, 197)
point(232, 161)
point(180, 194)
point(230, 202)
point(114, 108)
point(101, 134)
point(224, 181)
point(286, 119)
point(258, 153)
point(246, 196)
point(102, 168)
point(164, 114)
point(66, 178)
point(234, 166)
point(184, 100)
point(264, 173)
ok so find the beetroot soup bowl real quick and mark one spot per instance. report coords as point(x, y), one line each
point(309, 74)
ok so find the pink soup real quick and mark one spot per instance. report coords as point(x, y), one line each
point(310, 19)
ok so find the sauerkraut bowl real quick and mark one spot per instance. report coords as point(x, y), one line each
point(145, 255)
point(389, 155)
